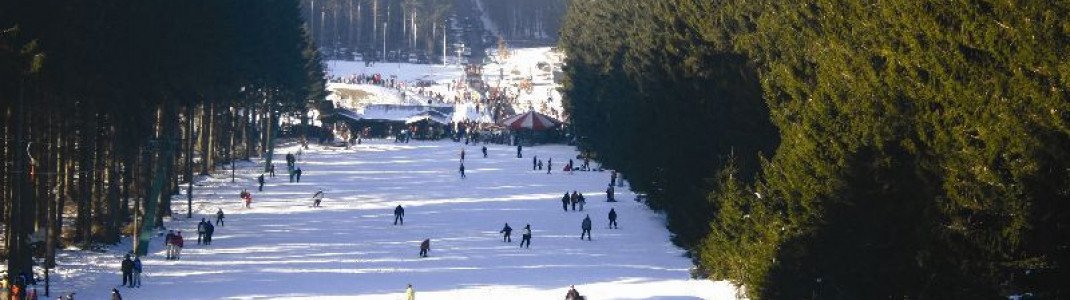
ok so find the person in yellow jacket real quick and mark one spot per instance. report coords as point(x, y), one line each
point(409, 293)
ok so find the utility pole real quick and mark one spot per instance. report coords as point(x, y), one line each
point(384, 41)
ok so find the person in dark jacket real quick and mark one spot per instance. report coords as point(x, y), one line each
point(424, 247)
point(507, 233)
point(209, 230)
point(271, 170)
point(564, 201)
point(575, 198)
point(260, 180)
point(115, 295)
point(519, 151)
point(581, 200)
point(201, 230)
point(549, 165)
point(526, 236)
point(399, 214)
point(586, 226)
point(137, 273)
point(609, 194)
point(127, 267)
point(484, 151)
point(219, 218)
point(612, 218)
point(298, 174)
point(534, 162)
point(462, 171)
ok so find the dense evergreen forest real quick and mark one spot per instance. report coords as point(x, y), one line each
point(839, 149)
point(526, 19)
point(106, 106)
point(363, 25)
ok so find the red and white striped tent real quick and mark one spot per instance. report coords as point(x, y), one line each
point(529, 120)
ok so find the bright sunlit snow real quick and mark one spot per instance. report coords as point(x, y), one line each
point(282, 248)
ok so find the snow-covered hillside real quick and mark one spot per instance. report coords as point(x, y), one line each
point(282, 248)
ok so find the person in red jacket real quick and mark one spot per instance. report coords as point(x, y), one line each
point(179, 243)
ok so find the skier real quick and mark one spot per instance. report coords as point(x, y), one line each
point(424, 247)
point(115, 295)
point(612, 218)
point(534, 162)
point(168, 241)
point(219, 217)
point(137, 273)
point(526, 237)
point(609, 194)
point(462, 171)
point(260, 180)
point(519, 151)
point(208, 232)
point(564, 202)
point(201, 230)
point(399, 214)
point(582, 200)
point(484, 151)
point(317, 198)
point(298, 173)
point(549, 165)
point(127, 267)
point(507, 233)
point(179, 243)
point(586, 226)
point(574, 199)
point(409, 293)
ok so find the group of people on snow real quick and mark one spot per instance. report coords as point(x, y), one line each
point(574, 199)
point(174, 243)
point(205, 230)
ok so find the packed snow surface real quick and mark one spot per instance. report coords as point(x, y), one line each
point(282, 248)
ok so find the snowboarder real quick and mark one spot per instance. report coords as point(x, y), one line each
point(219, 217)
point(298, 173)
point(586, 226)
point(573, 294)
point(582, 201)
point(609, 194)
point(575, 198)
point(127, 267)
point(462, 171)
point(564, 201)
point(260, 180)
point(399, 214)
point(484, 151)
point(168, 241)
point(201, 227)
point(507, 233)
point(409, 293)
point(519, 151)
point(526, 237)
point(115, 295)
point(208, 232)
point(549, 165)
point(317, 198)
point(534, 162)
point(424, 247)
point(137, 273)
point(612, 218)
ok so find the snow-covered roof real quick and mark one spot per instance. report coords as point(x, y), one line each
point(402, 113)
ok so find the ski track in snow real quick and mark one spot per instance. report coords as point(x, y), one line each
point(348, 249)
